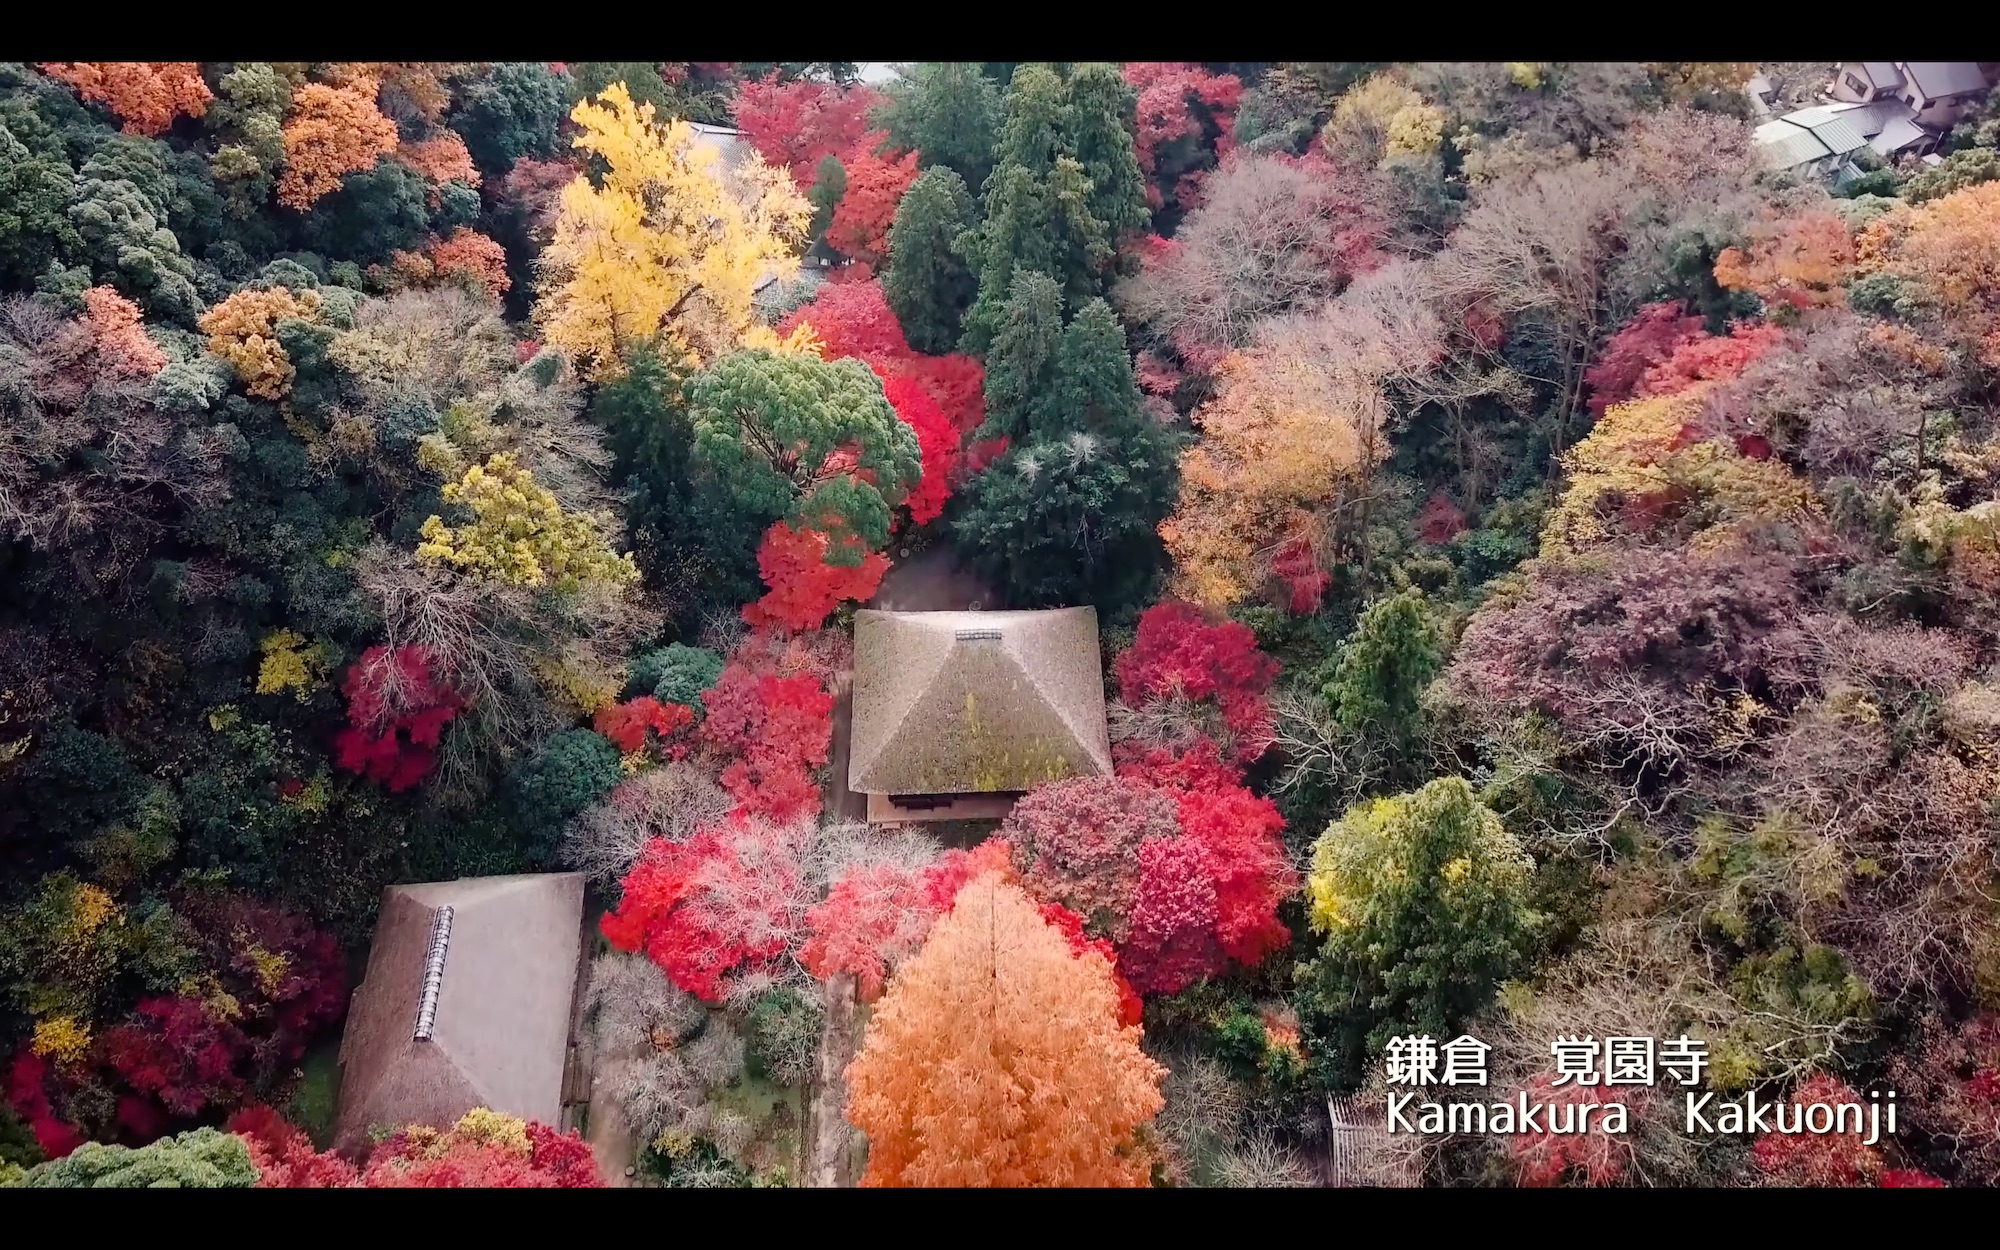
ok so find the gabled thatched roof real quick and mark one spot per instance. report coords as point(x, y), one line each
point(500, 1033)
point(975, 702)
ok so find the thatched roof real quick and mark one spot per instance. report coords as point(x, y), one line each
point(500, 1028)
point(976, 702)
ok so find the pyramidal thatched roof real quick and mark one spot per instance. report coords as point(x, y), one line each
point(975, 702)
point(504, 972)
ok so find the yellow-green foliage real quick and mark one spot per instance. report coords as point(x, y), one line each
point(492, 1128)
point(63, 1039)
point(520, 534)
point(290, 665)
point(1635, 471)
point(1417, 130)
point(1526, 74)
point(1383, 855)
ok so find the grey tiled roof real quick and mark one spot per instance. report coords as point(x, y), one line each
point(1943, 78)
point(976, 702)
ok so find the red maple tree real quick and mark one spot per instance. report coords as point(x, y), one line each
point(1178, 653)
point(799, 123)
point(625, 724)
point(726, 899)
point(875, 186)
point(804, 587)
point(398, 705)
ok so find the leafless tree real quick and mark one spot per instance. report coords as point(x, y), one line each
point(1272, 235)
point(669, 801)
point(496, 642)
point(1262, 1162)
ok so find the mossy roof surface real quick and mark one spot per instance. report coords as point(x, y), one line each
point(975, 702)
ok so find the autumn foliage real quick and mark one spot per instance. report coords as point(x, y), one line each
point(804, 586)
point(1815, 1160)
point(484, 1150)
point(146, 95)
point(875, 185)
point(774, 730)
point(724, 900)
point(1663, 351)
point(877, 915)
point(1185, 114)
point(1803, 261)
point(119, 336)
point(798, 124)
point(854, 319)
point(1179, 655)
point(625, 724)
point(1593, 1157)
point(996, 1059)
point(398, 705)
point(471, 255)
point(332, 132)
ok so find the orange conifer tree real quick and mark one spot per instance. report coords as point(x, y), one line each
point(996, 1059)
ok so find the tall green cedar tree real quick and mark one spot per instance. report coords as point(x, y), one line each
point(1066, 186)
point(948, 113)
point(1070, 513)
point(927, 283)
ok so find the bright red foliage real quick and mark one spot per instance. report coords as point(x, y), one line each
point(804, 588)
point(625, 724)
point(1178, 653)
point(1594, 1157)
point(1645, 341)
point(1186, 122)
point(1662, 352)
point(726, 899)
point(1815, 1160)
point(1297, 566)
point(284, 1155)
point(1200, 767)
point(854, 319)
point(1710, 359)
point(935, 438)
point(875, 186)
point(28, 1094)
point(1173, 918)
point(398, 705)
point(412, 1160)
point(179, 1052)
point(797, 124)
point(1244, 837)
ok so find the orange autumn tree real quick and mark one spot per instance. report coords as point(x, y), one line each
point(332, 132)
point(1946, 256)
point(996, 1059)
point(146, 95)
point(1804, 261)
point(1276, 443)
point(473, 256)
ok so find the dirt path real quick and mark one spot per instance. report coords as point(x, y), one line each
point(932, 582)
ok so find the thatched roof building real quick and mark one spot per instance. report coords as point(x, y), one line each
point(467, 1002)
point(955, 713)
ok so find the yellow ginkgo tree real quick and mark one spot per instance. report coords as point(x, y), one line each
point(667, 242)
